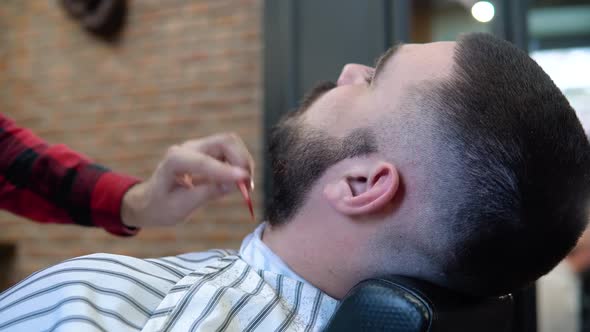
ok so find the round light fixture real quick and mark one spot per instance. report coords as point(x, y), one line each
point(483, 11)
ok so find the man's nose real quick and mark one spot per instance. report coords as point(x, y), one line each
point(353, 73)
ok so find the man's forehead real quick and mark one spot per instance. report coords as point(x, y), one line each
point(427, 50)
point(414, 62)
point(439, 44)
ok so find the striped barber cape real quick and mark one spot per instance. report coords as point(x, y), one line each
point(217, 290)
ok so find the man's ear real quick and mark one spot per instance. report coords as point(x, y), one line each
point(364, 189)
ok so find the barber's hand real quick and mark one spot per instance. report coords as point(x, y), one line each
point(215, 164)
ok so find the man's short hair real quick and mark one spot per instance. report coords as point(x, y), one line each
point(516, 164)
point(510, 174)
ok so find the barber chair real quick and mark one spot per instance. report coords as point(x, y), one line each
point(399, 304)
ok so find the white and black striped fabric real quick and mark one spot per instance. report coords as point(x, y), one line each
point(210, 291)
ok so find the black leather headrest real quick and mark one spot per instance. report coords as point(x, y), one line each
point(407, 305)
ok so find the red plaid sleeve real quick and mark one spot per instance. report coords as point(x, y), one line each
point(53, 184)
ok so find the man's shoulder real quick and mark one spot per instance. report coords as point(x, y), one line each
point(112, 290)
point(158, 272)
point(91, 277)
point(154, 275)
point(196, 260)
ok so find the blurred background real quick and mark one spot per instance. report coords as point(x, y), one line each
point(180, 69)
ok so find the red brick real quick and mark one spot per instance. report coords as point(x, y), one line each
point(182, 69)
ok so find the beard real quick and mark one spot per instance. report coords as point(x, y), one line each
point(300, 156)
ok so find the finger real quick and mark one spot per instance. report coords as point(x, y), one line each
point(224, 147)
point(186, 180)
point(191, 180)
point(187, 201)
point(180, 161)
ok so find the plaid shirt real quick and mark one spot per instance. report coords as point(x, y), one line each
point(53, 184)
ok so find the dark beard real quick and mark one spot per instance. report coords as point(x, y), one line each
point(299, 157)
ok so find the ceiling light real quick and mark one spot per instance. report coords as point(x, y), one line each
point(483, 11)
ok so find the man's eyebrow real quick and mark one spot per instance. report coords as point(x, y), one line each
point(380, 64)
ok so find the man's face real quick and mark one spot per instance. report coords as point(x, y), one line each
point(334, 121)
point(363, 94)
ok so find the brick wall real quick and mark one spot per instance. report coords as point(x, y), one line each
point(182, 69)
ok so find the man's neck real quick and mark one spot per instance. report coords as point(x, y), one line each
point(331, 266)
